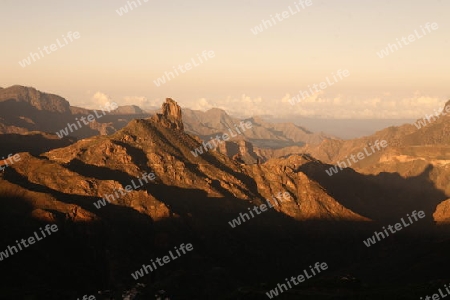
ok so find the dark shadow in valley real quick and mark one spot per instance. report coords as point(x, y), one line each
point(139, 157)
point(100, 173)
point(227, 263)
point(385, 197)
point(35, 143)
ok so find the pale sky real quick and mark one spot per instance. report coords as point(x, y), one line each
point(118, 58)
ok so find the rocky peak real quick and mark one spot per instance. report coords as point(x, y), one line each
point(171, 115)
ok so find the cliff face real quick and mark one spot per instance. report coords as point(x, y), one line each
point(40, 101)
point(25, 109)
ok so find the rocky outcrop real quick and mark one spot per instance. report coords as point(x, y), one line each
point(442, 213)
point(240, 148)
point(171, 115)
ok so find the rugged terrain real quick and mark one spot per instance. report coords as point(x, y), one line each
point(25, 109)
point(192, 200)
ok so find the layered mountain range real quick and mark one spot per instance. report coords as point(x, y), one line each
point(25, 109)
point(194, 197)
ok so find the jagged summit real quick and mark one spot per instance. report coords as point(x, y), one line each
point(171, 116)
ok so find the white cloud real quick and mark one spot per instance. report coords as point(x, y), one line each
point(318, 105)
point(140, 101)
point(385, 106)
point(98, 100)
point(202, 104)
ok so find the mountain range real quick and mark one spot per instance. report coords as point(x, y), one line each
point(193, 199)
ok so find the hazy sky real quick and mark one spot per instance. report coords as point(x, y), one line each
point(118, 58)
